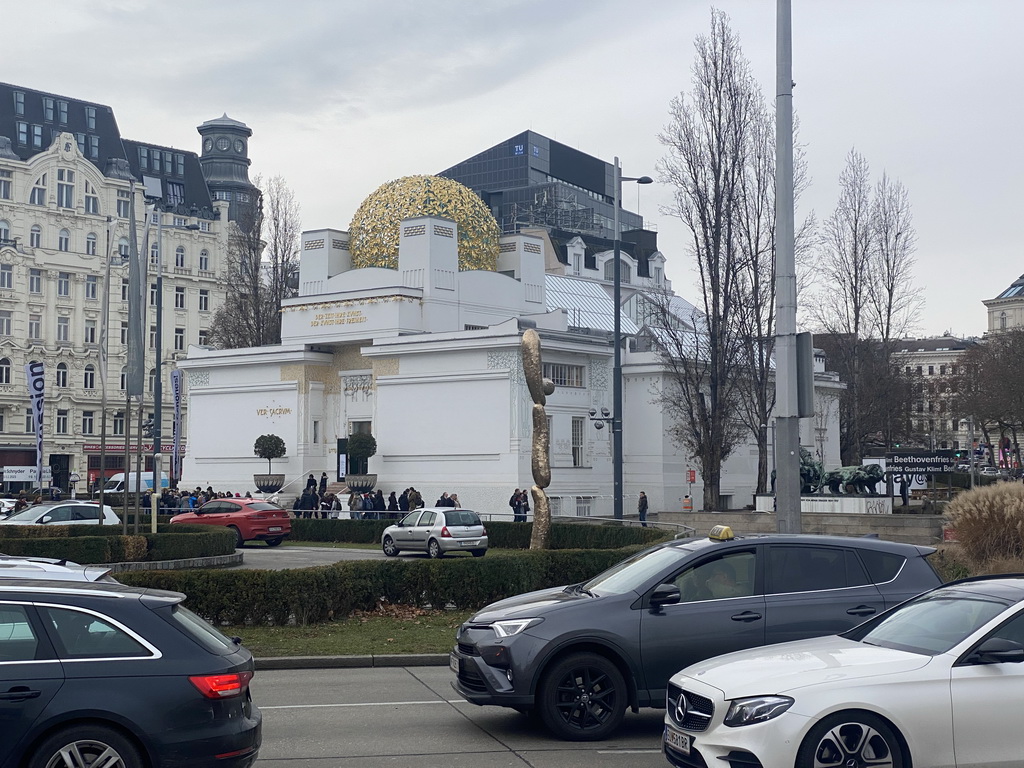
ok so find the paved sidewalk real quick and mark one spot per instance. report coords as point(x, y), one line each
point(351, 662)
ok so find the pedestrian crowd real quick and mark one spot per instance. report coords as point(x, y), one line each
point(315, 501)
point(175, 499)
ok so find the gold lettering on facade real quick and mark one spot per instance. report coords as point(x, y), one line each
point(321, 319)
point(273, 411)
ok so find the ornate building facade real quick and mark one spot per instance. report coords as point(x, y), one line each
point(68, 181)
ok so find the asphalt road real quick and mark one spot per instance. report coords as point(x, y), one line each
point(410, 716)
point(259, 555)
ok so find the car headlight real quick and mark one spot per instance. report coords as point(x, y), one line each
point(756, 709)
point(513, 626)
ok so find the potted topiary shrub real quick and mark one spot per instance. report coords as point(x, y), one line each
point(361, 446)
point(269, 447)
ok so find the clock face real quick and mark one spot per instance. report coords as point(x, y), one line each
point(223, 144)
point(208, 145)
point(239, 146)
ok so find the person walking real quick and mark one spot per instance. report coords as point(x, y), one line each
point(392, 504)
point(454, 499)
point(641, 509)
point(403, 501)
point(310, 482)
point(323, 483)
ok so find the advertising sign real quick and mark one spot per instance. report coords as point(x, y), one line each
point(26, 475)
point(920, 463)
point(35, 374)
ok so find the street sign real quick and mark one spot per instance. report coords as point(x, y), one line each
point(25, 474)
point(74, 477)
point(920, 463)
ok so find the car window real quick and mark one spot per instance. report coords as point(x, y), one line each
point(882, 566)
point(633, 573)
point(931, 624)
point(730, 575)
point(84, 512)
point(427, 518)
point(462, 517)
point(812, 568)
point(1011, 630)
point(60, 514)
point(81, 635)
point(17, 640)
point(201, 631)
point(211, 507)
point(260, 506)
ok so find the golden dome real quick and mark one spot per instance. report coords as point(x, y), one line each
point(374, 231)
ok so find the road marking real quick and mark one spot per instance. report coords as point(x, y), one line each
point(361, 704)
point(628, 751)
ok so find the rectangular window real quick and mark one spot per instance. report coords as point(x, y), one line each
point(5, 185)
point(6, 276)
point(22, 133)
point(90, 331)
point(175, 194)
point(178, 221)
point(119, 422)
point(19, 103)
point(87, 422)
point(62, 112)
point(179, 298)
point(144, 158)
point(90, 118)
point(35, 281)
point(123, 203)
point(179, 339)
point(94, 147)
point(221, 194)
point(63, 283)
point(91, 287)
point(92, 204)
point(48, 109)
point(29, 420)
point(152, 294)
point(204, 261)
point(204, 301)
point(80, 138)
point(152, 337)
point(124, 289)
point(37, 136)
point(204, 337)
point(564, 375)
point(179, 165)
point(5, 330)
point(35, 327)
point(63, 329)
point(578, 440)
point(124, 335)
point(61, 426)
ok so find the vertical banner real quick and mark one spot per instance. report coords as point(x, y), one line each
point(136, 309)
point(176, 448)
point(35, 375)
point(105, 324)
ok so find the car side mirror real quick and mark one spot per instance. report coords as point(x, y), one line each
point(664, 594)
point(997, 650)
point(45, 519)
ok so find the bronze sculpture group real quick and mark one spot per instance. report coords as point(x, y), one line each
point(845, 480)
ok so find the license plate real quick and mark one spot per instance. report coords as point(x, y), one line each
point(472, 543)
point(680, 742)
point(453, 662)
point(274, 528)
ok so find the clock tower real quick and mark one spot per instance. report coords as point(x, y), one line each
point(225, 162)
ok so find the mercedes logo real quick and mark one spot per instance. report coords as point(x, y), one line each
point(682, 708)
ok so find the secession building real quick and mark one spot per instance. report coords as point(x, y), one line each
point(408, 326)
point(66, 185)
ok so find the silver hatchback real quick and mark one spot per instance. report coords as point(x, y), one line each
point(436, 531)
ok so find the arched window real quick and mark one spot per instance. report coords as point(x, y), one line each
point(152, 379)
point(1002, 321)
point(90, 244)
point(625, 271)
point(64, 240)
point(35, 236)
point(5, 230)
point(204, 260)
point(5, 370)
point(123, 249)
point(124, 379)
point(154, 254)
point(38, 194)
point(179, 257)
point(62, 375)
point(89, 377)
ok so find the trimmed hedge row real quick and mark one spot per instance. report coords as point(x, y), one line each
point(323, 593)
point(106, 544)
point(501, 535)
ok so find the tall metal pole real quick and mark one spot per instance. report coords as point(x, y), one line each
point(104, 368)
point(158, 389)
point(787, 447)
point(617, 360)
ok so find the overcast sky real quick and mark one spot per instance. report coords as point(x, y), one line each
point(343, 96)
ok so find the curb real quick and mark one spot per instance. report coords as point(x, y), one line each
point(354, 662)
point(213, 561)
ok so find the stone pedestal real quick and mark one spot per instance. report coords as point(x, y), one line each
point(841, 504)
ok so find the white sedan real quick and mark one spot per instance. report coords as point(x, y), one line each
point(62, 513)
point(937, 681)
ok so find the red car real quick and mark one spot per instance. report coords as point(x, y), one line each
point(250, 519)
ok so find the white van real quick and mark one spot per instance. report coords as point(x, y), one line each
point(116, 484)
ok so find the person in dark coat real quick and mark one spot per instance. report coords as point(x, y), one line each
point(310, 482)
point(323, 483)
point(403, 501)
point(393, 502)
point(379, 504)
point(641, 509)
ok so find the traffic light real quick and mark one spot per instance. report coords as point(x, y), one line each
point(148, 428)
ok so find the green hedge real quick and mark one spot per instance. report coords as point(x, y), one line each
point(106, 544)
point(501, 535)
point(313, 595)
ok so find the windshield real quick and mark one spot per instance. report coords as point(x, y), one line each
point(634, 573)
point(929, 625)
point(112, 485)
point(29, 514)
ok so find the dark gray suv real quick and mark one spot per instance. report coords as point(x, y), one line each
point(579, 655)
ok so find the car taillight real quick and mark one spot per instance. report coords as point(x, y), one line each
point(444, 532)
point(483, 531)
point(221, 686)
point(256, 516)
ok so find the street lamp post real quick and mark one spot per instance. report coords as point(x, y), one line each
point(617, 337)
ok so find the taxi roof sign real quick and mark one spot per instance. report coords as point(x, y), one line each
point(721, 533)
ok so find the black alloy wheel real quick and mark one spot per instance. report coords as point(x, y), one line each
point(582, 698)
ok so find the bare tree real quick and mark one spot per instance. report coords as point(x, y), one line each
point(866, 301)
point(262, 267)
point(709, 142)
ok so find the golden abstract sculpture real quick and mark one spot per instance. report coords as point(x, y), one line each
point(374, 231)
point(539, 463)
